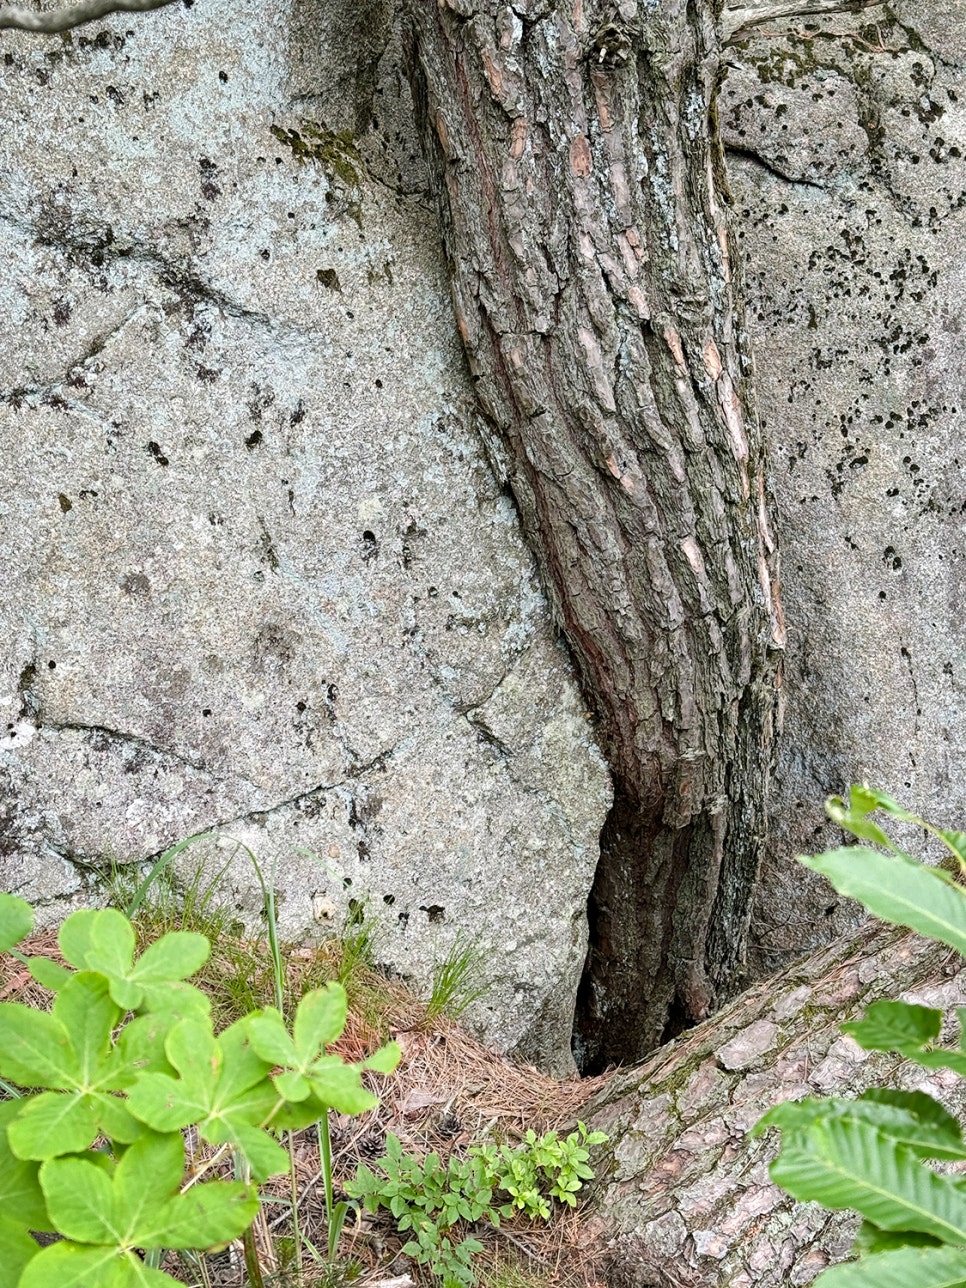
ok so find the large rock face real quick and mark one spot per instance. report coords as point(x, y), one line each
point(848, 165)
point(259, 578)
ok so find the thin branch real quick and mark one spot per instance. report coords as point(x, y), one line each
point(740, 17)
point(67, 19)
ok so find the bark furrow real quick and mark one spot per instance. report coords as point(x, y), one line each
point(583, 204)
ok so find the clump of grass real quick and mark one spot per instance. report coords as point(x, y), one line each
point(457, 980)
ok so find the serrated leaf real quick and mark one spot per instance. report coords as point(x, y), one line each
point(865, 799)
point(844, 1163)
point(16, 920)
point(933, 1120)
point(898, 890)
point(17, 1248)
point(937, 1267)
point(853, 820)
point(21, 1198)
point(911, 1117)
point(896, 1026)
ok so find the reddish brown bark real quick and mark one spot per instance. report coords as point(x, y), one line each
point(583, 203)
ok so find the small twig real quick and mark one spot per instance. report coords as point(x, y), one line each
point(67, 19)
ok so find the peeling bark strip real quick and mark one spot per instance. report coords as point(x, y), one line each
point(582, 188)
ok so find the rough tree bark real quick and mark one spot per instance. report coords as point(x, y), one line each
point(685, 1199)
point(583, 200)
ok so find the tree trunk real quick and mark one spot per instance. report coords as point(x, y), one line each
point(685, 1199)
point(583, 197)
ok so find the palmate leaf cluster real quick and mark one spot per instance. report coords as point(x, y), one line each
point(127, 1058)
point(875, 1153)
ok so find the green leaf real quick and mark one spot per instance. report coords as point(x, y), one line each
point(845, 1163)
point(340, 1086)
point(49, 974)
point(36, 1049)
point(139, 1205)
point(174, 956)
point(89, 1015)
point(896, 1026)
point(385, 1059)
point(910, 1117)
point(933, 1121)
point(104, 941)
point(54, 1123)
point(956, 842)
point(871, 1240)
point(942, 1267)
point(21, 1198)
point(851, 818)
point(16, 920)
point(222, 1088)
point(292, 1086)
point(271, 1039)
point(265, 1157)
point(320, 1019)
point(67, 1265)
point(80, 1199)
point(17, 1248)
point(898, 890)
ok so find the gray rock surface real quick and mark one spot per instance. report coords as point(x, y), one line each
point(848, 167)
point(258, 575)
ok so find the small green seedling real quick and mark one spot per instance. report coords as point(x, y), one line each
point(438, 1203)
point(126, 1059)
